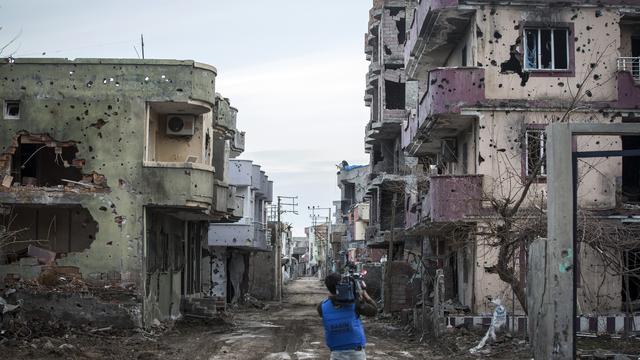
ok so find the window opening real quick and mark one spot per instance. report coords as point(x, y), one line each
point(535, 151)
point(546, 49)
point(394, 95)
point(38, 164)
point(464, 56)
point(631, 167)
point(12, 109)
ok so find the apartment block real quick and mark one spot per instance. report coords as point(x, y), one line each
point(490, 75)
point(112, 170)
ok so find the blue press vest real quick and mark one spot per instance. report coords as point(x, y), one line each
point(342, 327)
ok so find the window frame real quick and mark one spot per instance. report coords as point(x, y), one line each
point(569, 27)
point(541, 129)
point(5, 112)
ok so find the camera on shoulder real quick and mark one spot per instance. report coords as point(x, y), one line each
point(345, 291)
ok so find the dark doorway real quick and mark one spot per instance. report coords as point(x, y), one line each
point(631, 167)
point(230, 291)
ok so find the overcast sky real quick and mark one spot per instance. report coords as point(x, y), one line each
point(295, 69)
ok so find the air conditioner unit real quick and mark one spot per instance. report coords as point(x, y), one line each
point(449, 150)
point(181, 124)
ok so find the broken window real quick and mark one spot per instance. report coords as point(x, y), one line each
point(12, 109)
point(463, 62)
point(546, 49)
point(394, 95)
point(535, 141)
point(631, 166)
point(49, 164)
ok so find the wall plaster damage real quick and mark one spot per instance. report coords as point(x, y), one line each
point(106, 198)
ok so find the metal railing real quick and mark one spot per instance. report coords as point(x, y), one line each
point(631, 64)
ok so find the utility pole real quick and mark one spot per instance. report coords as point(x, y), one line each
point(277, 254)
point(326, 244)
point(387, 297)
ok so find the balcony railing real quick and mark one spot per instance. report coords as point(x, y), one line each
point(452, 197)
point(630, 64)
point(450, 89)
point(177, 184)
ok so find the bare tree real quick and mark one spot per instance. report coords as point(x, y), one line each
point(518, 207)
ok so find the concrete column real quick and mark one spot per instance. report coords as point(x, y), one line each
point(551, 292)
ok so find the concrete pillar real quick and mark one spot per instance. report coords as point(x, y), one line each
point(551, 286)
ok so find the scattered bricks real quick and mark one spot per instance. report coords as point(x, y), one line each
point(68, 271)
point(99, 179)
point(78, 163)
point(48, 277)
point(11, 279)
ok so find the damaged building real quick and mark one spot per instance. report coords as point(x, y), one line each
point(244, 249)
point(389, 168)
point(112, 171)
point(488, 76)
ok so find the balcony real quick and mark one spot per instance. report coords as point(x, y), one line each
point(236, 203)
point(628, 83)
point(240, 172)
point(452, 198)
point(249, 236)
point(388, 127)
point(187, 185)
point(225, 116)
point(437, 27)
point(630, 64)
point(222, 204)
point(237, 143)
point(269, 194)
point(450, 90)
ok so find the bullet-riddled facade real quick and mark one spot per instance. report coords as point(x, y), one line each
point(489, 77)
point(111, 171)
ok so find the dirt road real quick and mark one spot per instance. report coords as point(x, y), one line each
point(294, 331)
point(288, 330)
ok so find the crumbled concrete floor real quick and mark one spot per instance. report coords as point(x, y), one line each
point(290, 330)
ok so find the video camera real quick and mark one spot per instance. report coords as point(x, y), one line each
point(351, 285)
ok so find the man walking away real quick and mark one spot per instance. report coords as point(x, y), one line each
point(343, 331)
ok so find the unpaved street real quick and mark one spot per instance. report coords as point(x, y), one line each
point(290, 330)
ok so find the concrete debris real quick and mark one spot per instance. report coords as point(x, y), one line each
point(6, 307)
point(250, 300)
